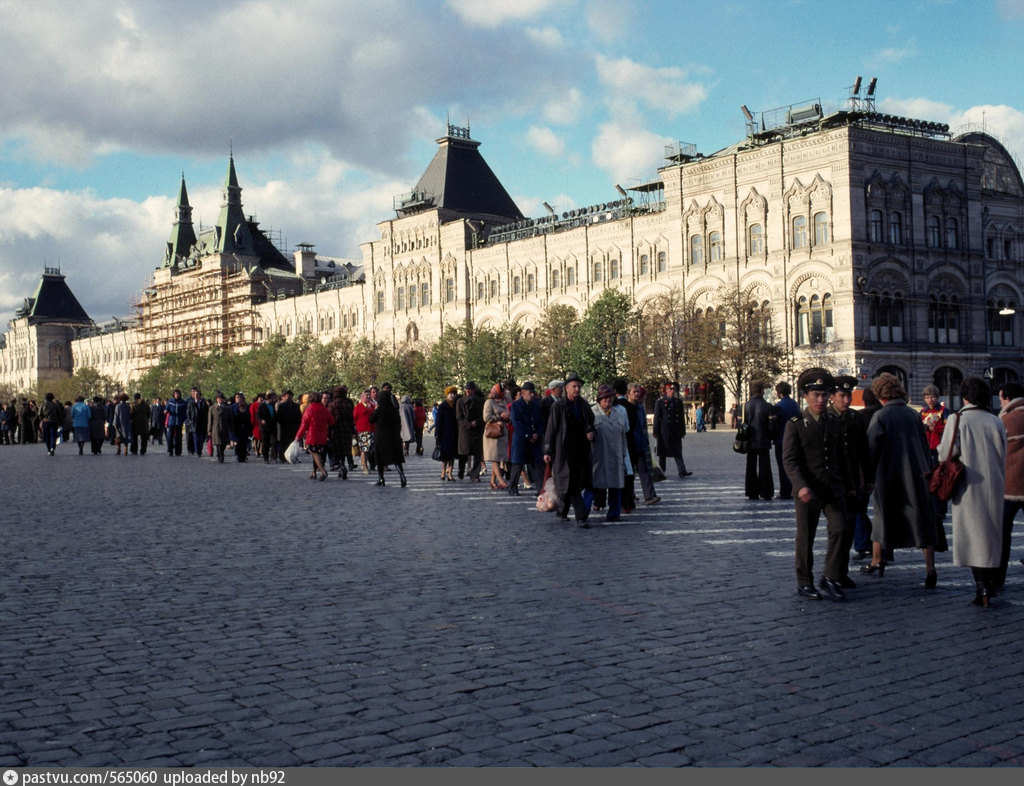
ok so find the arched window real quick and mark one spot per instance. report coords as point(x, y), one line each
point(613, 268)
point(755, 239)
point(876, 229)
point(952, 234)
point(380, 303)
point(934, 232)
point(570, 276)
point(494, 287)
point(662, 261)
point(885, 319)
point(517, 285)
point(717, 249)
point(597, 270)
point(531, 283)
point(645, 265)
point(449, 290)
point(814, 323)
point(800, 232)
point(412, 333)
point(896, 228)
point(481, 290)
point(424, 294)
point(948, 380)
point(556, 279)
point(1000, 322)
point(820, 228)
point(412, 296)
point(696, 250)
point(944, 320)
point(897, 372)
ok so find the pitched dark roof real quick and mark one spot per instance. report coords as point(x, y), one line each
point(54, 301)
point(459, 179)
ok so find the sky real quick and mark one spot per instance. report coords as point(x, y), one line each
point(332, 108)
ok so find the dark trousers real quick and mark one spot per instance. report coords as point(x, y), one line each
point(139, 443)
point(534, 471)
point(242, 449)
point(475, 468)
point(611, 497)
point(268, 447)
point(97, 445)
point(862, 532)
point(1010, 508)
point(198, 442)
point(643, 471)
point(759, 481)
point(50, 436)
point(579, 507)
point(174, 440)
point(807, 517)
point(785, 484)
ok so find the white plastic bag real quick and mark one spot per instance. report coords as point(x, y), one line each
point(291, 455)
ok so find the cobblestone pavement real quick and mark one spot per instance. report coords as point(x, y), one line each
point(163, 611)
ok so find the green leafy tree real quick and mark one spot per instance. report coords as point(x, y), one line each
point(553, 341)
point(598, 349)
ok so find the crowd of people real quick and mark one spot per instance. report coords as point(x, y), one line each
point(832, 460)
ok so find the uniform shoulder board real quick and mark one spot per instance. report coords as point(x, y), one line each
point(795, 419)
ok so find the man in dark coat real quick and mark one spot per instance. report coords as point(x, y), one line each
point(176, 413)
point(858, 464)
point(140, 425)
point(621, 399)
point(343, 430)
point(784, 410)
point(241, 426)
point(812, 452)
point(289, 418)
point(527, 441)
point(759, 483)
point(197, 413)
point(567, 439)
point(670, 428)
point(387, 434)
point(218, 425)
point(156, 421)
point(266, 414)
point(469, 411)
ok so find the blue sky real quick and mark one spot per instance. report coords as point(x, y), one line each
point(332, 108)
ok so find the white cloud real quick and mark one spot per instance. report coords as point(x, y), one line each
point(608, 20)
point(632, 84)
point(565, 109)
point(628, 151)
point(494, 13)
point(548, 37)
point(546, 141)
point(893, 54)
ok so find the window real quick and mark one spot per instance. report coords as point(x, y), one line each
point(597, 270)
point(570, 277)
point(517, 285)
point(400, 299)
point(662, 261)
point(613, 269)
point(645, 265)
point(820, 228)
point(696, 250)
point(934, 232)
point(800, 232)
point(948, 380)
point(494, 287)
point(380, 301)
point(412, 296)
point(885, 320)
point(424, 294)
point(1007, 249)
point(716, 247)
point(952, 234)
point(896, 228)
point(481, 290)
point(1000, 323)
point(814, 320)
point(531, 283)
point(449, 290)
point(755, 239)
point(876, 232)
point(556, 279)
point(990, 247)
point(944, 320)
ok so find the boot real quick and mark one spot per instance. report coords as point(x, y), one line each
point(401, 474)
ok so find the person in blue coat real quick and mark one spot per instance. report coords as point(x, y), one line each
point(176, 409)
point(446, 432)
point(527, 445)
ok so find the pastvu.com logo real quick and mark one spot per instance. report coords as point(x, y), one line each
point(10, 777)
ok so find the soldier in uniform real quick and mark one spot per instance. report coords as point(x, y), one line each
point(858, 464)
point(813, 457)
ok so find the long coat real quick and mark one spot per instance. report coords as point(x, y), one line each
point(408, 419)
point(446, 431)
point(609, 452)
point(469, 410)
point(669, 426)
point(218, 424)
point(387, 433)
point(978, 501)
point(527, 420)
point(756, 415)
point(98, 421)
point(906, 514)
point(496, 449)
point(1012, 416)
point(565, 440)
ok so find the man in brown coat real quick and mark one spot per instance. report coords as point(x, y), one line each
point(1011, 412)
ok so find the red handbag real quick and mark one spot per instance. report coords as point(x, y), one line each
point(944, 479)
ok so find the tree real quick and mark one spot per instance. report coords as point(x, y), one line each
point(86, 381)
point(598, 349)
point(552, 342)
point(750, 348)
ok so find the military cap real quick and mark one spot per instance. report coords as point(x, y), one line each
point(846, 384)
point(816, 379)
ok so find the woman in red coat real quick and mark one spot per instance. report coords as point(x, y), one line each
point(316, 423)
point(364, 428)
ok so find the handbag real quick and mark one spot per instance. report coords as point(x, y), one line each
point(946, 477)
point(742, 442)
point(495, 429)
point(436, 455)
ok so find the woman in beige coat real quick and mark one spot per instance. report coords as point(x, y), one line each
point(496, 448)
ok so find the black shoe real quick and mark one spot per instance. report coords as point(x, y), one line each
point(343, 474)
point(931, 580)
point(847, 583)
point(871, 567)
point(808, 592)
point(380, 482)
point(513, 492)
point(832, 588)
point(611, 518)
point(861, 554)
point(582, 523)
point(652, 501)
point(685, 474)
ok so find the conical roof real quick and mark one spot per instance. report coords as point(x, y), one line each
point(54, 301)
